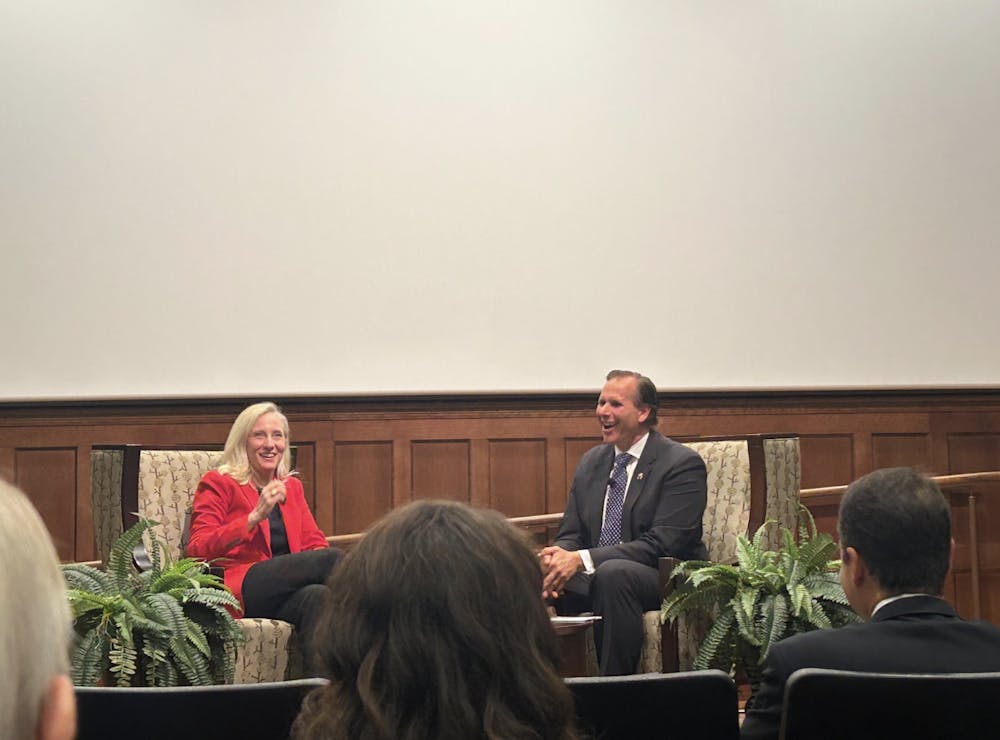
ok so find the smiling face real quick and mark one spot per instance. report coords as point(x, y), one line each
point(265, 446)
point(622, 419)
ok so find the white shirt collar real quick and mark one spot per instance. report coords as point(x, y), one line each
point(891, 599)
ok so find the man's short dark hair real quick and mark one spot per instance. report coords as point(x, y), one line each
point(645, 392)
point(900, 523)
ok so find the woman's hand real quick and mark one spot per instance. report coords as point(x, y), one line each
point(270, 495)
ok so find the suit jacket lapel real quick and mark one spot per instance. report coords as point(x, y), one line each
point(637, 485)
point(598, 487)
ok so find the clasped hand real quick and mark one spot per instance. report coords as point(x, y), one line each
point(558, 566)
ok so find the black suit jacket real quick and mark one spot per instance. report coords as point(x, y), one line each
point(664, 505)
point(919, 634)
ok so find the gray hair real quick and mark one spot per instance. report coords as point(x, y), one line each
point(34, 645)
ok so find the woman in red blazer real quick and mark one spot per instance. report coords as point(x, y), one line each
point(250, 517)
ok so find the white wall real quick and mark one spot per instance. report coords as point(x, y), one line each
point(252, 197)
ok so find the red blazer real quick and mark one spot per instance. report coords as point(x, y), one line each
point(219, 526)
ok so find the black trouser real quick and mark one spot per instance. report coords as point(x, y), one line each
point(619, 591)
point(292, 588)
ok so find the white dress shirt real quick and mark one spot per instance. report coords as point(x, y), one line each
point(636, 452)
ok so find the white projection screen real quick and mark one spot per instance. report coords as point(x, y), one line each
point(207, 198)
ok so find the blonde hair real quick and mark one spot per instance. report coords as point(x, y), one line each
point(34, 612)
point(234, 462)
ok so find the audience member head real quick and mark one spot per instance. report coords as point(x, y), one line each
point(36, 696)
point(236, 461)
point(895, 537)
point(438, 630)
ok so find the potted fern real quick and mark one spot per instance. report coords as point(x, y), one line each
point(766, 596)
point(169, 625)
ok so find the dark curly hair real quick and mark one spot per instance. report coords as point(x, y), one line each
point(438, 630)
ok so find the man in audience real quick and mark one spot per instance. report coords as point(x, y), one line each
point(36, 695)
point(635, 498)
point(895, 549)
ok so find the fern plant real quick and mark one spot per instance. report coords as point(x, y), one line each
point(766, 596)
point(166, 626)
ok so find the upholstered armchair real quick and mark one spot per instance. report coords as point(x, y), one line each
point(751, 479)
point(127, 481)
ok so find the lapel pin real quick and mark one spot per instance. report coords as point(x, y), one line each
point(639, 476)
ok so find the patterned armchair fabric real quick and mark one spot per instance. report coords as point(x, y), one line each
point(106, 497)
point(166, 481)
point(728, 515)
point(727, 512)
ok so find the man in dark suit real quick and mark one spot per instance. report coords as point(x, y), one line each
point(635, 498)
point(895, 549)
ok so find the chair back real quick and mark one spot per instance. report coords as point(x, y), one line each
point(699, 704)
point(727, 511)
point(236, 711)
point(751, 479)
point(823, 704)
point(157, 484)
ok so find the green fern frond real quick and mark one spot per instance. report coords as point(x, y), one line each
point(716, 649)
point(209, 597)
point(806, 523)
point(748, 554)
point(745, 608)
point(774, 622)
point(122, 656)
point(817, 553)
point(192, 664)
point(87, 578)
point(762, 530)
point(800, 599)
point(169, 625)
point(702, 599)
point(816, 616)
point(826, 586)
point(196, 637)
point(685, 567)
point(121, 566)
point(86, 661)
point(718, 572)
point(789, 546)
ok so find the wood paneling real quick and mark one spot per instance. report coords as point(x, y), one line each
point(441, 470)
point(48, 477)
point(972, 453)
point(902, 450)
point(362, 483)
point(517, 476)
point(827, 459)
point(360, 457)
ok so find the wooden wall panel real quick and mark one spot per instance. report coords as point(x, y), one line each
point(363, 485)
point(451, 445)
point(973, 453)
point(575, 449)
point(48, 477)
point(827, 460)
point(441, 470)
point(7, 456)
point(305, 464)
point(517, 476)
point(899, 450)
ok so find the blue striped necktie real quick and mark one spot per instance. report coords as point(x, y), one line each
point(611, 532)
